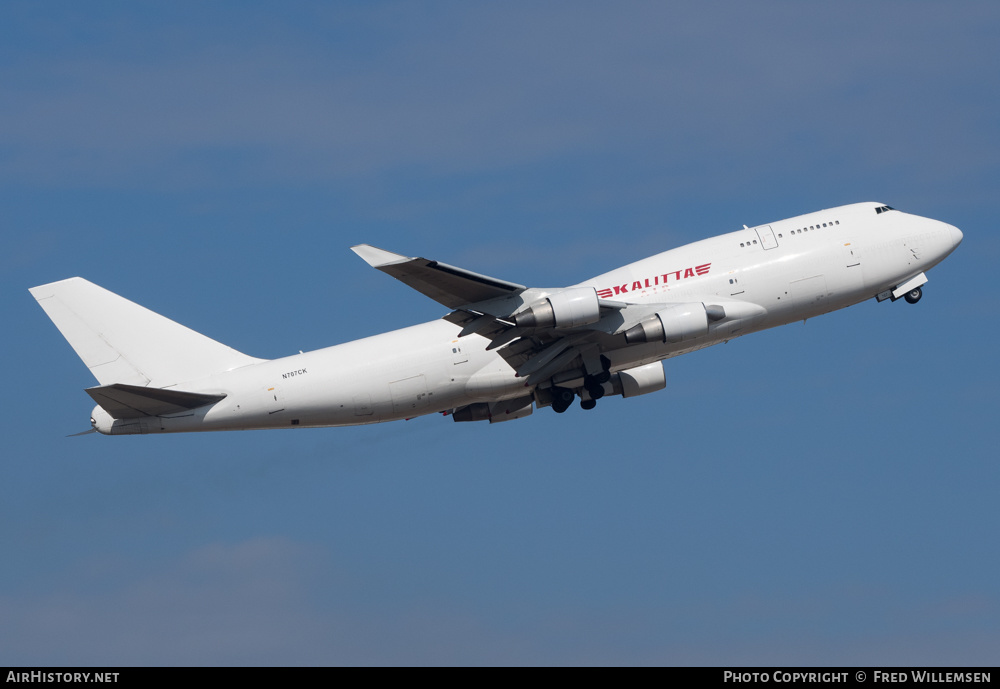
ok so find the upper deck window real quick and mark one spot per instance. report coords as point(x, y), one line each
point(883, 209)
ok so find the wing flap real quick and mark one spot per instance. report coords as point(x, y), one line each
point(132, 401)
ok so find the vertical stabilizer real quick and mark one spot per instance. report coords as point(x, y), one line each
point(122, 342)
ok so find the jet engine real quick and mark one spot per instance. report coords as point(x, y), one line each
point(504, 410)
point(478, 411)
point(639, 380)
point(675, 324)
point(569, 308)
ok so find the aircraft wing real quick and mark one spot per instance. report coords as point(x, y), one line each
point(539, 345)
point(445, 284)
point(488, 307)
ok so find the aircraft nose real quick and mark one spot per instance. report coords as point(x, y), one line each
point(946, 238)
point(955, 236)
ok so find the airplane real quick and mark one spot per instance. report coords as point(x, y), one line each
point(503, 349)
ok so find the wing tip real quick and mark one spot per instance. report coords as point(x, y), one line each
point(376, 257)
point(42, 291)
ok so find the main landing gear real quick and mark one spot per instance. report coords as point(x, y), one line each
point(593, 390)
point(561, 399)
point(913, 296)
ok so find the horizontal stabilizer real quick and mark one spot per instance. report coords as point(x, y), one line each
point(445, 284)
point(132, 401)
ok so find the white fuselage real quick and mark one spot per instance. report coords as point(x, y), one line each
point(772, 274)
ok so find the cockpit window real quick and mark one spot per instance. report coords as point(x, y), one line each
point(883, 209)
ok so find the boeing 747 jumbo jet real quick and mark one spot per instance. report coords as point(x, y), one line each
point(503, 349)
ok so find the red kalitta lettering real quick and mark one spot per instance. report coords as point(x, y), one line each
point(637, 285)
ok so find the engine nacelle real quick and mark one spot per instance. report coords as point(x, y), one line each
point(639, 380)
point(504, 410)
point(508, 410)
point(569, 308)
point(478, 411)
point(675, 324)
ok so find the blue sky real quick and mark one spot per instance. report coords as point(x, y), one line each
point(823, 493)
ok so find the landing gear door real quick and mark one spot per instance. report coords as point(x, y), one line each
point(767, 239)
